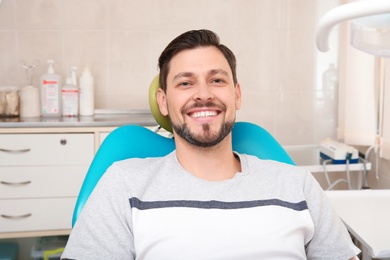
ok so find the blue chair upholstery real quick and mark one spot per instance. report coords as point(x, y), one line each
point(133, 141)
point(249, 138)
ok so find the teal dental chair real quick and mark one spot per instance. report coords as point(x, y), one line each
point(134, 141)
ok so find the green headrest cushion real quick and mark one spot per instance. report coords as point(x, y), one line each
point(163, 121)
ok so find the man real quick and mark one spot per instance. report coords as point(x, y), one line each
point(204, 201)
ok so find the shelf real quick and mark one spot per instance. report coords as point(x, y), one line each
point(308, 157)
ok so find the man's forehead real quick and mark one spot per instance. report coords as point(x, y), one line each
point(208, 60)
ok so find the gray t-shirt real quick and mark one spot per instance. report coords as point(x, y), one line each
point(154, 209)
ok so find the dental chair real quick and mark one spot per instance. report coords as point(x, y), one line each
point(134, 141)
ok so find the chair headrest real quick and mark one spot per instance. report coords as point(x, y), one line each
point(163, 121)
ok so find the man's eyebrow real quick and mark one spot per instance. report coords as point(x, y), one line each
point(218, 71)
point(182, 75)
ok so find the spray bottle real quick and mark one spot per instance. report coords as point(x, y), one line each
point(70, 95)
point(50, 92)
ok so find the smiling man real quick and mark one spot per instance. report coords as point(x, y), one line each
point(201, 96)
point(205, 201)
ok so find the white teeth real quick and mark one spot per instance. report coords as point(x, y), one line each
point(204, 114)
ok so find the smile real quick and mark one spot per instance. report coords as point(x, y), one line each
point(204, 114)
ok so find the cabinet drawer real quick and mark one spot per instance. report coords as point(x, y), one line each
point(103, 136)
point(18, 215)
point(46, 149)
point(41, 181)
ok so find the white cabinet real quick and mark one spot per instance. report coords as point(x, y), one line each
point(43, 214)
point(103, 136)
point(40, 177)
point(41, 173)
point(43, 163)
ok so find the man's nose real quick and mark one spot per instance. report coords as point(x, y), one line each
point(204, 92)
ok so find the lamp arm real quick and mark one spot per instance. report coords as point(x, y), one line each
point(346, 12)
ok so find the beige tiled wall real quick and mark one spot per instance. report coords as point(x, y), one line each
point(121, 40)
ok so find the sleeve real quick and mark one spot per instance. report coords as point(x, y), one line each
point(331, 239)
point(103, 229)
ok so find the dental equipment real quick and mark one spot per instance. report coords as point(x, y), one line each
point(338, 153)
point(370, 33)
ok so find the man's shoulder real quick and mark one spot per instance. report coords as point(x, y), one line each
point(270, 165)
point(264, 161)
point(142, 162)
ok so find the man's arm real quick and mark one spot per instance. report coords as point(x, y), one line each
point(103, 229)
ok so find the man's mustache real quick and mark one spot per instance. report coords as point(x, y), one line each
point(202, 104)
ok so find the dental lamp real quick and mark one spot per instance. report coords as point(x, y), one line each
point(370, 33)
point(370, 27)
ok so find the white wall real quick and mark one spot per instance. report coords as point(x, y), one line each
point(122, 39)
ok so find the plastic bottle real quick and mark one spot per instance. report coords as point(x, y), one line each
point(50, 92)
point(330, 95)
point(330, 78)
point(73, 76)
point(70, 95)
point(87, 104)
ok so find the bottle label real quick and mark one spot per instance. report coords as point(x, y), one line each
point(50, 97)
point(70, 102)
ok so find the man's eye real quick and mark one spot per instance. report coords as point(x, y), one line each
point(185, 84)
point(218, 81)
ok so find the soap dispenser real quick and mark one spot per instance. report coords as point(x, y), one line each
point(50, 84)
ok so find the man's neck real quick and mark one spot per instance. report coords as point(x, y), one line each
point(215, 163)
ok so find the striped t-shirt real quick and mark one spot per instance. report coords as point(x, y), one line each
point(154, 209)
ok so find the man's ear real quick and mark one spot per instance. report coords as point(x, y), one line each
point(238, 96)
point(162, 102)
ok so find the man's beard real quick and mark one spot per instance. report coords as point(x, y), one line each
point(207, 139)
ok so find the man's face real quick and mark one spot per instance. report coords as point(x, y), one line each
point(201, 98)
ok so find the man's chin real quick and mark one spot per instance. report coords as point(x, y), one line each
point(204, 137)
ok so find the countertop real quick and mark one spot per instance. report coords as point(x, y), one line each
point(100, 119)
point(366, 214)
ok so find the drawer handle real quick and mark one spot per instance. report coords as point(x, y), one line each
point(16, 217)
point(15, 151)
point(15, 183)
